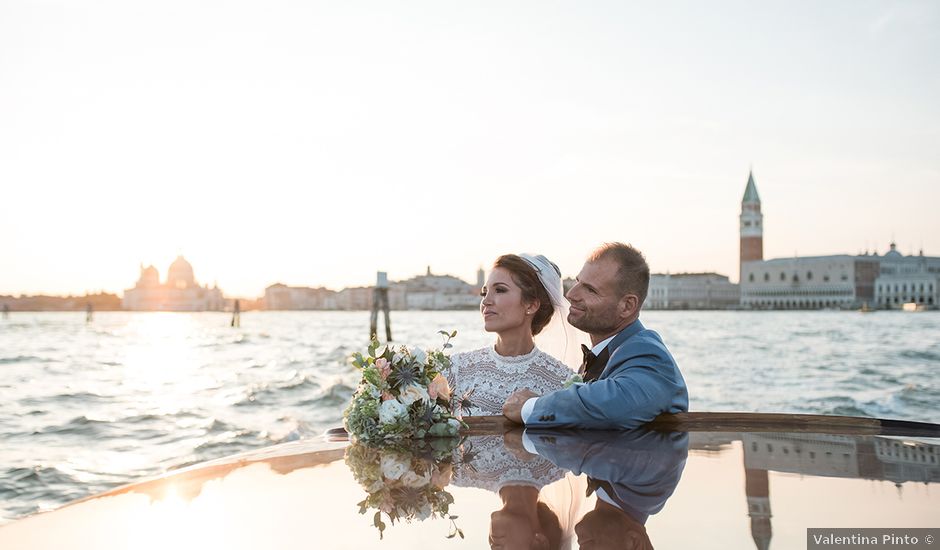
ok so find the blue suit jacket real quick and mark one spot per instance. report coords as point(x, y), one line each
point(641, 380)
point(638, 470)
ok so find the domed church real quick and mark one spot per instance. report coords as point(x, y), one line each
point(180, 292)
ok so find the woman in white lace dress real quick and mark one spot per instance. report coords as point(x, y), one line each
point(522, 296)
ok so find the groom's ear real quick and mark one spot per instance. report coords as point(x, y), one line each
point(629, 305)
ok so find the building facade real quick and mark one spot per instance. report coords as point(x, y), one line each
point(691, 291)
point(820, 282)
point(180, 292)
point(907, 280)
point(424, 292)
point(430, 291)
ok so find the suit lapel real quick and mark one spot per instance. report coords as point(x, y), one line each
point(621, 338)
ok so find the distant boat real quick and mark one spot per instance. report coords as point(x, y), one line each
point(913, 306)
point(865, 308)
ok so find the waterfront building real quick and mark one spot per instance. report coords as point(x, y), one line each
point(180, 292)
point(907, 279)
point(423, 292)
point(818, 282)
point(282, 297)
point(691, 291)
point(430, 291)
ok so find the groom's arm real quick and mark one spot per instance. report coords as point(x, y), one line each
point(643, 383)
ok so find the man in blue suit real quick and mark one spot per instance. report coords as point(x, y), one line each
point(633, 474)
point(630, 376)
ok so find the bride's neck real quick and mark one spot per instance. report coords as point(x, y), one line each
point(515, 342)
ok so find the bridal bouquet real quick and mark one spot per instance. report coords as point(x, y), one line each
point(405, 482)
point(403, 394)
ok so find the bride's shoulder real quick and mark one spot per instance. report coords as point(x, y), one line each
point(471, 356)
point(553, 364)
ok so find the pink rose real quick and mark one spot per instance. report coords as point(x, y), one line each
point(441, 477)
point(384, 368)
point(439, 387)
point(386, 396)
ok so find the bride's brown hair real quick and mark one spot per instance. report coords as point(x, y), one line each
point(524, 275)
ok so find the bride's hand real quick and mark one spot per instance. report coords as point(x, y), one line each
point(512, 408)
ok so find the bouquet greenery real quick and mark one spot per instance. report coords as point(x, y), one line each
point(403, 394)
point(405, 481)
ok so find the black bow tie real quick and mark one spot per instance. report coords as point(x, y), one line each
point(588, 354)
point(589, 359)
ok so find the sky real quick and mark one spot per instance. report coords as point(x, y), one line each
point(315, 143)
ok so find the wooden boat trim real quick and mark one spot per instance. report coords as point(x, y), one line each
point(749, 422)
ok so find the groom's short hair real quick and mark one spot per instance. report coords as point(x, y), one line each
point(632, 272)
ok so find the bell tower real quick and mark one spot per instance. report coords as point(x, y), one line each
point(752, 227)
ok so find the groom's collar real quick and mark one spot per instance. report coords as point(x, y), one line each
point(596, 350)
point(625, 334)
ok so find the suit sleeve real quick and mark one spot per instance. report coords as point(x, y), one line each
point(643, 382)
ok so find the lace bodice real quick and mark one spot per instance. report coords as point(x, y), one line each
point(489, 378)
point(484, 462)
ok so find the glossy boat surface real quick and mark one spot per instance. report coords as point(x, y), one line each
point(672, 488)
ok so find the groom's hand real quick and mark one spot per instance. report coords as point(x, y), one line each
point(512, 408)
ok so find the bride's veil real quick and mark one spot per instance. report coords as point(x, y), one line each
point(566, 499)
point(558, 339)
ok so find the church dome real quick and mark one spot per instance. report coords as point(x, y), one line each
point(180, 274)
point(893, 254)
point(149, 276)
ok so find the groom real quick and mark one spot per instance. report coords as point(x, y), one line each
point(630, 375)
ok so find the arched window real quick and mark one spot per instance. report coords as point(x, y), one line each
point(751, 277)
point(766, 277)
point(783, 276)
point(809, 275)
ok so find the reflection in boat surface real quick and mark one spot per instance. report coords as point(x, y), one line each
point(505, 490)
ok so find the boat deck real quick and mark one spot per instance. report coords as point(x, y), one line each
point(696, 481)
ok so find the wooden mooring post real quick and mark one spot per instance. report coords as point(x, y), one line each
point(237, 315)
point(380, 300)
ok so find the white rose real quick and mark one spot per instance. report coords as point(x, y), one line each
point(393, 467)
point(390, 411)
point(413, 480)
point(414, 393)
point(419, 355)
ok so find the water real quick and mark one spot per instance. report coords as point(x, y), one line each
point(84, 408)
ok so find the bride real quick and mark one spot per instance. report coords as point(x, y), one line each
point(522, 299)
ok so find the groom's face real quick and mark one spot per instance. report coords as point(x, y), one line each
point(595, 298)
